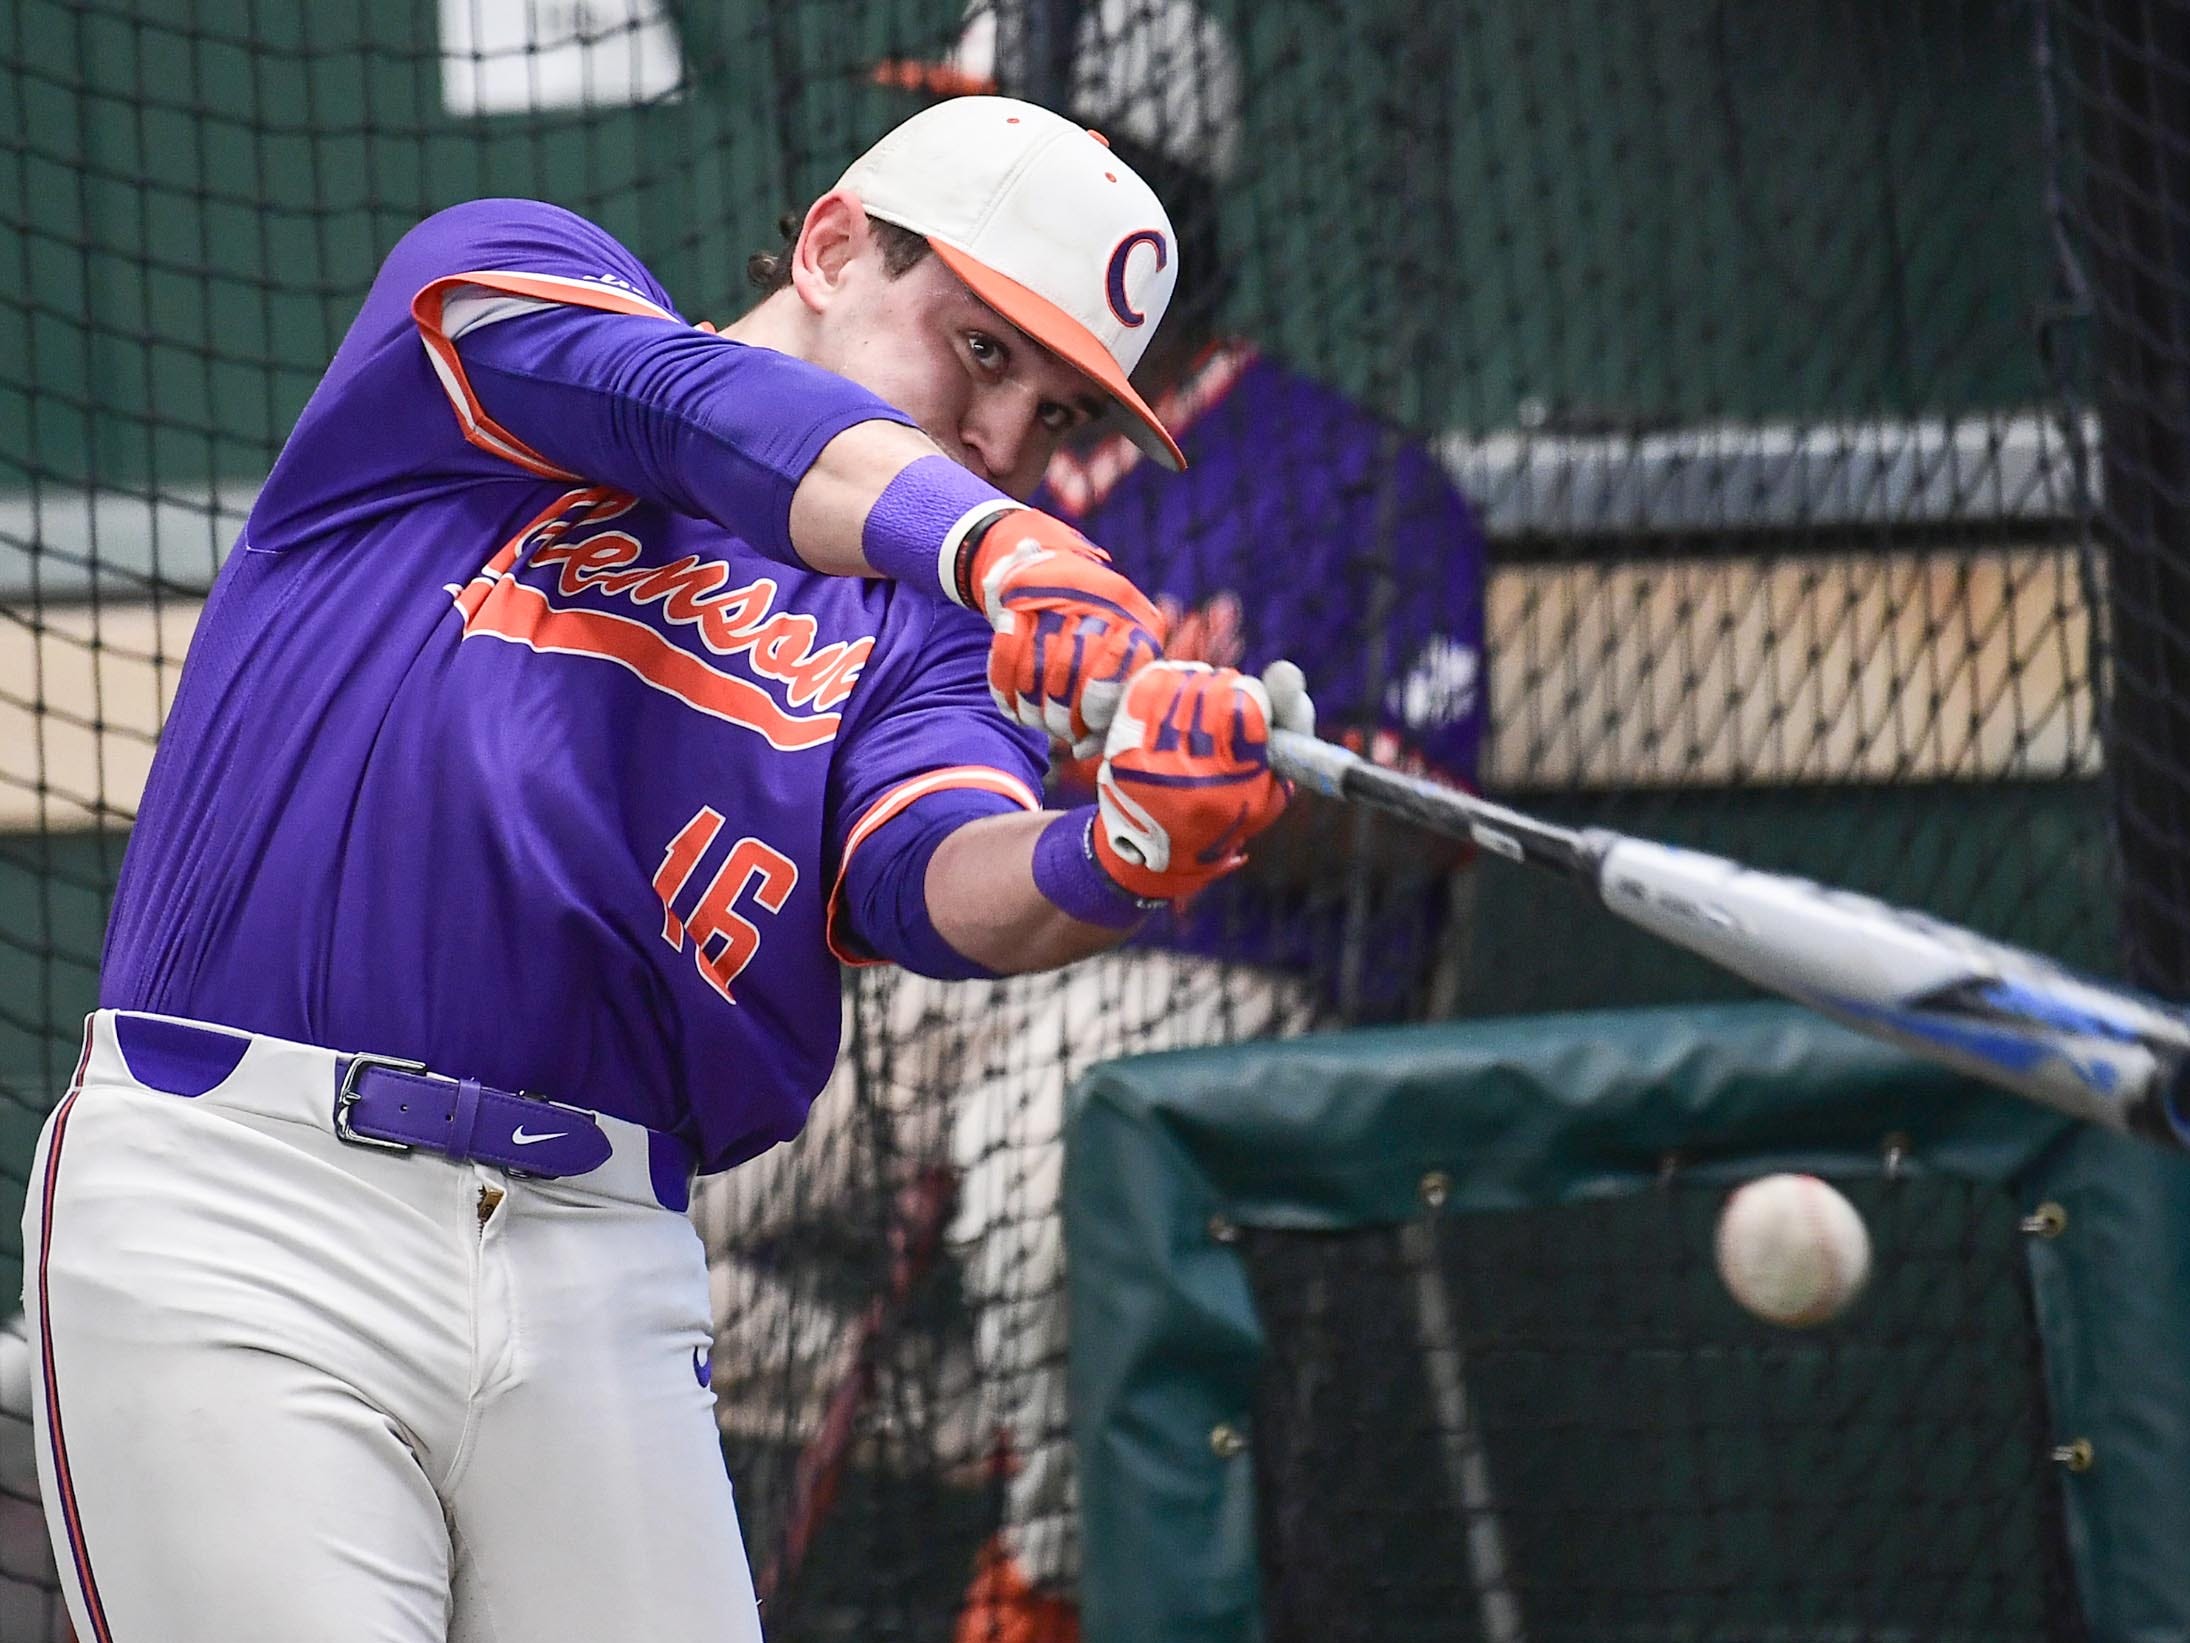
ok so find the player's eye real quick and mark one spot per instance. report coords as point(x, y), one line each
point(1058, 419)
point(992, 356)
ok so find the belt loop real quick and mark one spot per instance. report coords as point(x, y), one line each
point(465, 1119)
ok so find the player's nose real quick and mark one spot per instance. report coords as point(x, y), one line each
point(1005, 435)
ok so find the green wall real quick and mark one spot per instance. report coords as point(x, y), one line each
point(1626, 212)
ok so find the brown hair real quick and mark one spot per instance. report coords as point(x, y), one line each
point(770, 271)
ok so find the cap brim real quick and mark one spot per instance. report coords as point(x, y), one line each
point(936, 79)
point(1071, 342)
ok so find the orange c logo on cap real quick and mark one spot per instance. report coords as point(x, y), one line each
point(1121, 304)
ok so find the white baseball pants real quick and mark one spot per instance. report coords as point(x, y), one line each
point(291, 1387)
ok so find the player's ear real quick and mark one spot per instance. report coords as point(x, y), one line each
point(833, 237)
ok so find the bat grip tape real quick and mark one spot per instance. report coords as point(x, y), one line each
point(1317, 765)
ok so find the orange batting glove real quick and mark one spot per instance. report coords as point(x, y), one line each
point(1069, 629)
point(1185, 780)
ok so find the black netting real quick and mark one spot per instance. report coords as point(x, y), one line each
point(1785, 355)
point(2117, 74)
point(1555, 1424)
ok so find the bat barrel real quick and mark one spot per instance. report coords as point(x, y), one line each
point(2082, 1047)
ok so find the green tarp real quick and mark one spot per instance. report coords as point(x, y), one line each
point(1341, 1131)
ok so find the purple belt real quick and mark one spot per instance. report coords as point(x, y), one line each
point(387, 1102)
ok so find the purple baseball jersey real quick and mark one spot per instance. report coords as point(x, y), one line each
point(1303, 527)
point(482, 763)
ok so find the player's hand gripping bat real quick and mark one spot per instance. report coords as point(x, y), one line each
point(2083, 1047)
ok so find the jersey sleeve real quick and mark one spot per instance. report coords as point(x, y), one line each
point(591, 378)
point(508, 340)
point(488, 261)
point(525, 249)
point(930, 731)
point(378, 433)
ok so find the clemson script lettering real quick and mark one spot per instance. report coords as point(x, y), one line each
point(730, 621)
point(601, 600)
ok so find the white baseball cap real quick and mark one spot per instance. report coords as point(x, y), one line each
point(1047, 226)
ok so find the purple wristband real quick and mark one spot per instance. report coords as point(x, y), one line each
point(915, 526)
point(1067, 873)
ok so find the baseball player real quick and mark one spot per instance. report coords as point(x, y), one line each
point(1295, 503)
point(586, 685)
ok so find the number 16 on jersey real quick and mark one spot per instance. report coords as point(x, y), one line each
point(723, 939)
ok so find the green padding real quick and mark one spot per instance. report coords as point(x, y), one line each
point(1340, 1131)
point(2113, 1296)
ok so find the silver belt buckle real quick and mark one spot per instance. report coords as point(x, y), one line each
point(346, 1098)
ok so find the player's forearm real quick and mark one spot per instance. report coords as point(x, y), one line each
point(984, 899)
point(800, 463)
point(837, 526)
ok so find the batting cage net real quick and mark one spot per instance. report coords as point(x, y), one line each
point(1757, 427)
point(1612, 1449)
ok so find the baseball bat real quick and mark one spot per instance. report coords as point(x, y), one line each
point(2080, 1046)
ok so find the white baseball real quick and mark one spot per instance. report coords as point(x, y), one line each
point(1792, 1250)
